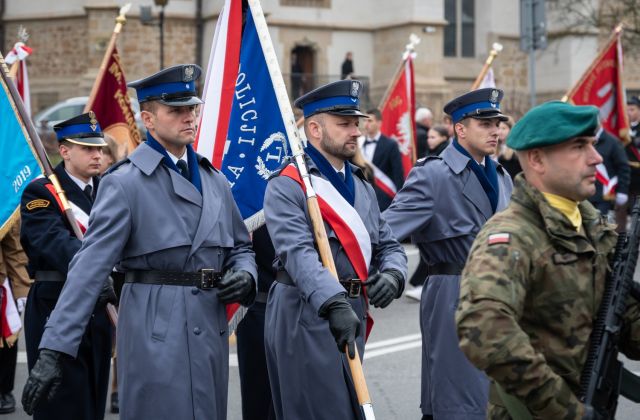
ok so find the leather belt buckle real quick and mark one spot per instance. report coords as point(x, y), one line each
point(353, 287)
point(208, 278)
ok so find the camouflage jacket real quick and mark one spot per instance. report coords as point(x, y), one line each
point(529, 294)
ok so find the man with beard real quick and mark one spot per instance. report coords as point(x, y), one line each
point(308, 311)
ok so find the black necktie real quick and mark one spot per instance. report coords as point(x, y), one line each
point(184, 168)
point(88, 191)
point(369, 141)
point(341, 175)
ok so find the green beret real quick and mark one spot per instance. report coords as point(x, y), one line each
point(553, 123)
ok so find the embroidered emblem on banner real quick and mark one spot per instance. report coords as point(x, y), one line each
point(272, 154)
point(36, 204)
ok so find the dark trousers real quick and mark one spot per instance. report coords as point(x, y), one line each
point(252, 364)
point(420, 275)
point(8, 361)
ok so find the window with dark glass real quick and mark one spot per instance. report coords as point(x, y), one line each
point(459, 33)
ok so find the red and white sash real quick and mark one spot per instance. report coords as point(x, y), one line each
point(608, 184)
point(345, 222)
point(82, 218)
point(9, 315)
point(383, 182)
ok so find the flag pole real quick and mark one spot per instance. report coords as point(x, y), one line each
point(496, 48)
point(120, 21)
point(44, 162)
point(616, 33)
point(312, 201)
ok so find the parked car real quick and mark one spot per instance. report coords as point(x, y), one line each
point(68, 108)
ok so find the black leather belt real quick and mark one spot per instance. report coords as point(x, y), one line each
point(207, 278)
point(49, 275)
point(445, 269)
point(352, 286)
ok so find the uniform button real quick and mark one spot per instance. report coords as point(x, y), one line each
point(197, 331)
point(195, 290)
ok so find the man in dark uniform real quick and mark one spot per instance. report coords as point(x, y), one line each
point(612, 186)
point(442, 206)
point(633, 154)
point(166, 217)
point(308, 311)
point(383, 154)
point(252, 362)
point(50, 244)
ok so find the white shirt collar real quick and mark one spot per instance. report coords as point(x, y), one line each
point(342, 171)
point(80, 183)
point(376, 137)
point(175, 159)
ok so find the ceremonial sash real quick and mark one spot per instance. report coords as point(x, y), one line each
point(383, 182)
point(345, 222)
point(82, 218)
point(608, 184)
point(9, 316)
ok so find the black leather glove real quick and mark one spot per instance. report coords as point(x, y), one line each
point(383, 287)
point(237, 286)
point(343, 323)
point(44, 379)
point(107, 294)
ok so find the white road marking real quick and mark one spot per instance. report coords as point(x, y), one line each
point(382, 343)
point(392, 349)
point(374, 349)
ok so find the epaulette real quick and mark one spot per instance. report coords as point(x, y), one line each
point(115, 166)
point(424, 160)
point(206, 162)
point(284, 164)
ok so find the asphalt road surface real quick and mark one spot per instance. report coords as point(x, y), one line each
point(391, 367)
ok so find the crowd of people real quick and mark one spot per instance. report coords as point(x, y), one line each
point(514, 222)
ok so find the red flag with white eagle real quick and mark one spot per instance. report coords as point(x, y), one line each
point(398, 113)
point(602, 86)
point(16, 58)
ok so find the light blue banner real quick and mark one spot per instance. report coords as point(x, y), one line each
point(18, 165)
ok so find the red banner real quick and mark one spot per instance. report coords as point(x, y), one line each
point(601, 86)
point(398, 113)
point(112, 105)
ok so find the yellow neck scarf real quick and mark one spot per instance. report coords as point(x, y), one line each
point(567, 207)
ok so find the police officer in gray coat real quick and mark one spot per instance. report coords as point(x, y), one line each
point(167, 219)
point(443, 204)
point(308, 311)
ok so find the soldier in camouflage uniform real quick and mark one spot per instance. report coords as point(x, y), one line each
point(535, 276)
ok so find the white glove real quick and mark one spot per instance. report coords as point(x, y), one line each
point(621, 199)
point(21, 303)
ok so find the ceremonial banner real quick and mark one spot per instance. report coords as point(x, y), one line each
point(17, 56)
point(241, 129)
point(112, 105)
point(398, 113)
point(601, 86)
point(19, 165)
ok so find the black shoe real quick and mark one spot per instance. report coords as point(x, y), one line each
point(115, 405)
point(7, 403)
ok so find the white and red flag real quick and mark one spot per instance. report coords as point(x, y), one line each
point(398, 113)
point(10, 322)
point(17, 56)
point(601, 85)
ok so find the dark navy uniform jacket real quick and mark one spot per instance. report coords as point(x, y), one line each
point(50, 244)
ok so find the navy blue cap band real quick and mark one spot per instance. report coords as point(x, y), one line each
point(459, 113)
point(75, 130)
point(337, 102)
point(165, 88)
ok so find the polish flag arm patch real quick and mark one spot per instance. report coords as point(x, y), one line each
point(499, 238)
